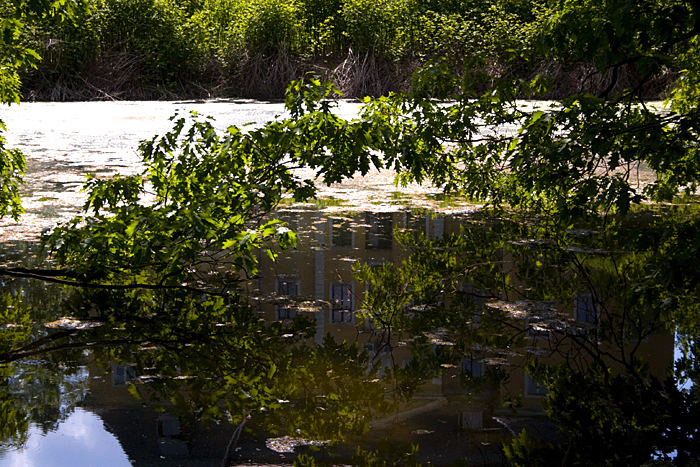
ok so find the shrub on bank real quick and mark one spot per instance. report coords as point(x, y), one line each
point(271, 26)
point(116, 48)
point(372, 26)
point(323, 27)
point(154, 33)
point(253, 48)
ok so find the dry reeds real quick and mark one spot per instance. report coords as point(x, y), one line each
point(264, 76)
point(366, 75)
point(267, 77)
point(586, 78)
point(118, 75)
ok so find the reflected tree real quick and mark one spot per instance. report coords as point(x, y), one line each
point(581, 308)
point(207, 359)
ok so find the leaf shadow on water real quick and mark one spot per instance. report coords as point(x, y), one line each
point(449, 316)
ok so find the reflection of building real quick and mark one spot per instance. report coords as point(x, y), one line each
point(286, 286)
point(321, 271)
point(316, 280)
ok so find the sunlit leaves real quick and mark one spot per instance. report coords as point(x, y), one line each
point(209, 194)
point(200, 201)
point(600, 410)
point(112, 192)
point(12, 167)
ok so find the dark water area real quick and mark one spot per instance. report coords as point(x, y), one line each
point(317, 354)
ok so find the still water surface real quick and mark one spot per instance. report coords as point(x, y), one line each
point(80, 439)
point(297, 364)
point(64, 142)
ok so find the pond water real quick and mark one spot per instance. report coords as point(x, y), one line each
point(80, 439)
point(64, 142)
point(391, 324)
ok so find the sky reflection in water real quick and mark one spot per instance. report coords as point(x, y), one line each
point(81, 439)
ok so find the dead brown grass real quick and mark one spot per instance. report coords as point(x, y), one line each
point(123, 76)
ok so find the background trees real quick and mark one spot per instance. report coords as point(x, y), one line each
point(158, 49)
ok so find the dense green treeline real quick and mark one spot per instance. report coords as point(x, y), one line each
point(200, 48)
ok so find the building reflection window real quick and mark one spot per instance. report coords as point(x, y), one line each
point(472, 300)
point(121, 374)
point(472, 368)
point(585, 308)
point(341, 302)
point(341, 233)
point(168, 425)
point(534, 387)
point(286, 286)
point(379, 231)
point(418, 224)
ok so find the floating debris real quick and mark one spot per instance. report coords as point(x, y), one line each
point(288, 444)
point(439, 338)
point(72, 324)
point(524, 308)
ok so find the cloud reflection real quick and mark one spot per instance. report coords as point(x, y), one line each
point(81, 440)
